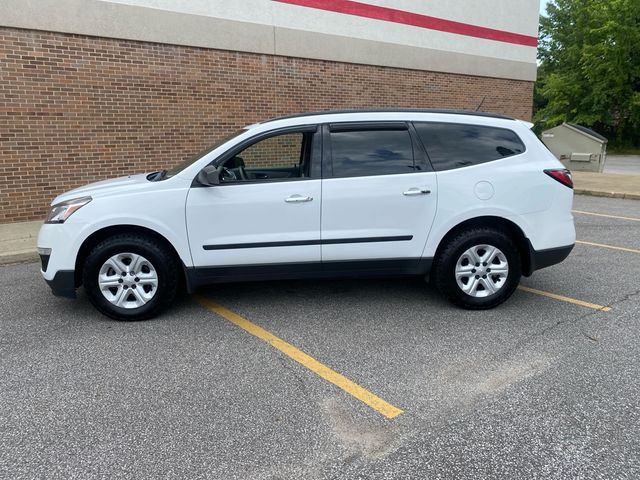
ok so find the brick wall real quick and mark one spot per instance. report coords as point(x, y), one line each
point(77, 109)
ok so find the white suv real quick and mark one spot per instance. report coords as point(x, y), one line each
point(471, 201)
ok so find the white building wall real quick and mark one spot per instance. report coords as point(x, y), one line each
point(280, 28)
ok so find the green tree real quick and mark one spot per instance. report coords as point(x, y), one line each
point(589, 71)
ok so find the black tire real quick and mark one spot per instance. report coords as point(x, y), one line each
point(445, 264)
point(162, 259)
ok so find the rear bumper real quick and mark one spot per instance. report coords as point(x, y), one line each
point(547, 257)
point(63, 284)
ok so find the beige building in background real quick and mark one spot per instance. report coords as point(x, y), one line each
point(499, 40)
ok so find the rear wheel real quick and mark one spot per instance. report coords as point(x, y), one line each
point(130, 277)
point(478, 268)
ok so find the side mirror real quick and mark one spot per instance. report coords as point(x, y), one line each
point(209, 176)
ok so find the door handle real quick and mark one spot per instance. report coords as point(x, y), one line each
point(417, 191)
point(297, 199)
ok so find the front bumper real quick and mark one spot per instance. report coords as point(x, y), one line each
point(63, 284)
point(57, 247)
point(59, 242)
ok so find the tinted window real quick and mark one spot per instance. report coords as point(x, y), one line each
point(452, 145)
point(371, 152)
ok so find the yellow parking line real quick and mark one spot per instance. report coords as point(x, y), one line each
point(562, 298)
point(362, 394)
point(605, 215)
point(612, 247)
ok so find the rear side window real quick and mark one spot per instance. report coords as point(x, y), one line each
point(452, 145)
point(357, 153)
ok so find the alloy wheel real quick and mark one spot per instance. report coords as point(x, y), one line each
point(482, 270)
point(128, 280)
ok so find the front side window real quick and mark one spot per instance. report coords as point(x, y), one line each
point(358, 153)
point(452, 145)
point(280, 157)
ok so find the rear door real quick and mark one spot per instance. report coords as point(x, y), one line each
point(379, 193)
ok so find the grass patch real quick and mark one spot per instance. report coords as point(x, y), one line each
point(623, 148)
point(623, 151)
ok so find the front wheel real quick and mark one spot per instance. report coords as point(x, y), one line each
point(478, 268)
point(130, 277)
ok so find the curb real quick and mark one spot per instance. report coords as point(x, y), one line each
point(18, 257)
point(601, 193)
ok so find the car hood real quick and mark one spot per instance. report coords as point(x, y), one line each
point(105, 187)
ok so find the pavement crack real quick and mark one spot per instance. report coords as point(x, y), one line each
point(575, 320)
point(590, 337)
point(287, 365)
point(627, 297)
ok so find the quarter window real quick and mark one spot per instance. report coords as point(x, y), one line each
point(357, 153)
point(455, 146)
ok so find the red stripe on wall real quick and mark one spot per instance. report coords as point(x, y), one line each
point(393, 15)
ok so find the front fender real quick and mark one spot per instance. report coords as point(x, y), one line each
point(162, 213)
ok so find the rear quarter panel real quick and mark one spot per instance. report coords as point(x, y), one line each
point(515, 188)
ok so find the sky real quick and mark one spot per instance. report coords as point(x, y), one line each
point(543, 6)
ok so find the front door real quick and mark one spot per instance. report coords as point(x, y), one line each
point(266, 209)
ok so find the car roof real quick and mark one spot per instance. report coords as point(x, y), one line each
point(386, 115)
point(392, 110)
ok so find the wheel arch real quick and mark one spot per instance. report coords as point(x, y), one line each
point(103, 233)
point(500, 223)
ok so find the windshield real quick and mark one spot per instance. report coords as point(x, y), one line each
point(181, 166)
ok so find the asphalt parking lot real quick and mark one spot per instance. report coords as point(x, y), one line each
point(336, 379)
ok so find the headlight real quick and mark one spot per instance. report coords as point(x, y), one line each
point(61, 211)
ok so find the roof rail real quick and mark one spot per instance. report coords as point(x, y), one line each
point(394, 110)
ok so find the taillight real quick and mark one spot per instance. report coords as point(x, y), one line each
point(562, 175)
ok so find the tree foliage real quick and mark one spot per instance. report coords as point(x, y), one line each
point(589, 70)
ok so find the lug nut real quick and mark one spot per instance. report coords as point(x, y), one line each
point(473, 271)
point(133, 286)
point(120, 280)
point(477, 277)
point(488, 270)
point(137, 279)
point(484, 264)
point(126, 286)
point(483, 276)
